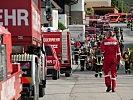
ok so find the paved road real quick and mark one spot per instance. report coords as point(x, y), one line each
point(84, 86)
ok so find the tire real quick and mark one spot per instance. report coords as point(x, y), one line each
point(41, 91)
point(67, 75)
point(55, 75)
point(58, 74)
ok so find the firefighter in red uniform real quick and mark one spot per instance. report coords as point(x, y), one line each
point(111, 52)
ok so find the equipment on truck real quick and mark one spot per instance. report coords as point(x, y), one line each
point(24, 22)
point(10, 73)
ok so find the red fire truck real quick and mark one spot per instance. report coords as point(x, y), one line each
point(23, 19)
point(117, 17)
point(61, 42)
point(53, 64)
point(130, 17)
point(10, 73)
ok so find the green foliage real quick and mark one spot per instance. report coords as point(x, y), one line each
point(121, 5)
point(61, 26)
point(90, 11)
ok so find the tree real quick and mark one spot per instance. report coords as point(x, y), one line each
point(61, 26)
point(90, 11)
point(120, 4)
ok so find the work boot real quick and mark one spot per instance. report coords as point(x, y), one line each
point(96, 75)
point(76, 63)
point(126, 71)
point(113, 90)
point(82, 69)
point(100, 74)
point(108, 89)
point(129, 72)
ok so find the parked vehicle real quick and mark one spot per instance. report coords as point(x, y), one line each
point(92, 20)
point(61, 42)
point(53, 64)
point(24, 23)
point(10, 73)
point(123, 17)
point(114, 18)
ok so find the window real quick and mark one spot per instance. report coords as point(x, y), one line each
point(48, 51)
point(36, 2)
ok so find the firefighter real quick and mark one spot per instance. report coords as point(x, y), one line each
point(126, 56)
point(83, 57)
point(121, 47)
point(116, 30)
point(121, 33)
point(98, 61)
point(111, 52)
point(128, 24)
point(76, 55)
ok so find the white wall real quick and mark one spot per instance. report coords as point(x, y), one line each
point(108, 1)
point(55, 19)
point(79, 6)
point(63, 19)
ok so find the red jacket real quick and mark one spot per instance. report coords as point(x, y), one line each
point(110, 49)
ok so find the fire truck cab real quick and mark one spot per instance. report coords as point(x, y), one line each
point(53, 64)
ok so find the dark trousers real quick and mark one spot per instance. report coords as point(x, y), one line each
point(82, 63)
point(76, 58)
point(127, 65)
point(98, 68)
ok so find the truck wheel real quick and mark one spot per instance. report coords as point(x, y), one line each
point(55, 75)
point(41, 91)
point(67, 74)
point(58, 74)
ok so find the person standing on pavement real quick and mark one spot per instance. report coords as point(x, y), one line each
point(116, 30)
point(126, 57)
point(111, 52)
point(76, 55)
point(98, 59)
point(121, 33)
point(83, 57)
